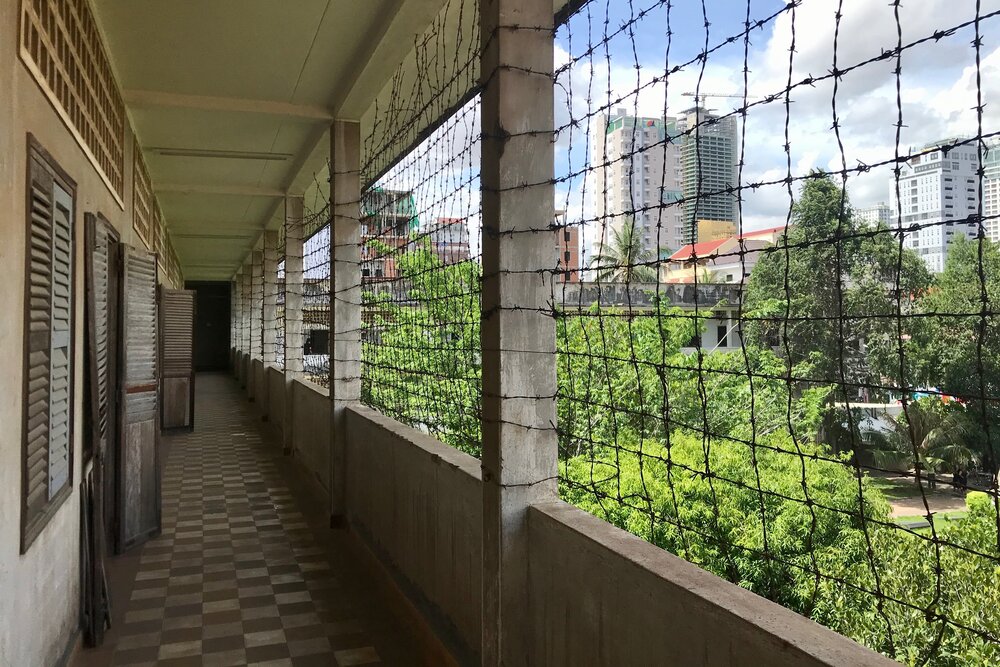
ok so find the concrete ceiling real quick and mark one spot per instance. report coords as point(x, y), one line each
point(232, 100)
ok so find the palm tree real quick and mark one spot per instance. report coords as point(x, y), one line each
point(938, 435)
point(625, 260)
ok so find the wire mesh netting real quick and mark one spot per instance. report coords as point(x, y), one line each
point(793, 392)
point(272, 310)
point(773, 281)
point(420, 239)
point(315, 289)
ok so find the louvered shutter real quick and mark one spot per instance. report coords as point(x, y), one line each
point(47, 429)
point(38, 367)
point(62, 307)
point(177, 357)
point(140, 482)
point(101, 310)
point(99, 338)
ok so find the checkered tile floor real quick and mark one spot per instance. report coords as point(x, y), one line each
point(237, 576)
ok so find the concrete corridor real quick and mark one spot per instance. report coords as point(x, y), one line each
point(245, 571)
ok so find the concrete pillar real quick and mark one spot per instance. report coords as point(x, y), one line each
point(268, 317)
point(520, 453)
point(345, 299)
point(234, 323)
point(256, 308)
point(293, 311)
point(269, 312)
point(245, 322)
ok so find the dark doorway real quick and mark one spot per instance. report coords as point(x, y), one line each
point(211, 329)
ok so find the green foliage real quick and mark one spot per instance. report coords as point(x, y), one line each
point(736, 510)
point(827, 286)
point(958, 349)
point(929, 431)
point(422, 352)
point(914, 599)
point(720, 457)
point(628, 377)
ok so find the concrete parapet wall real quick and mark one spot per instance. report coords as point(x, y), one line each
point(601, 596)
point(257, 389)
point(311, 431)
point(418, 503)
point(276, 397)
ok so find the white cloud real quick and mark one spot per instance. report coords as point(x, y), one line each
point(938, 91)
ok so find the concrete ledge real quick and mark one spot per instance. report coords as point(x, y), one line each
point(600, 595)
point(432, 447)
point(312, 386)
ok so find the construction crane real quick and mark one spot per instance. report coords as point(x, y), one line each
point(699, 98)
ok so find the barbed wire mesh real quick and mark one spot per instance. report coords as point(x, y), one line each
point(315, 288)
point(279, 313)
point(420, 238)
point(754, 374)
point(797, 394)
point(272, 315)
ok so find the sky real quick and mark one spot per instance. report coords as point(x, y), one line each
point(937, 83)
point(614, 54)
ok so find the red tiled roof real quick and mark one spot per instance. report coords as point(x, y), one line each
point(706, 248)
point(762, 232)
point(700, 249)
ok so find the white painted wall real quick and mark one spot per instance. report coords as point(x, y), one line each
point(39, 591)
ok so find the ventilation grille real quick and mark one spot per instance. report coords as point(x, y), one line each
point(143, 201)
point(61, 46)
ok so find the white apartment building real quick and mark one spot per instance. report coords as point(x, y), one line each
point(937, 194)
point(636, 175)
point(874, 216)
point(991, 191)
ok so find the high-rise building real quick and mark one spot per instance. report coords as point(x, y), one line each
point(708, 161)
point(937, 195)
point(873, 216)
point(991, 191)
point(638, 179)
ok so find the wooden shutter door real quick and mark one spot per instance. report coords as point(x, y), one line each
point(177, 313)
point(138, 469)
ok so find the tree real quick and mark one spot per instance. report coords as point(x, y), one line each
point(625, 260)
point(738, 511)
point(832, 294)
point(928, 432)
point(421, 350)
point(957, 348)
point(931, 596)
